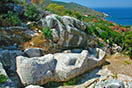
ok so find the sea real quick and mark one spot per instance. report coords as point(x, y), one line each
point(121, 16)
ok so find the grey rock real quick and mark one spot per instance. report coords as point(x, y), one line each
point(116, 48)
point(70, 21)
point(55, 35)
point(111, 83)
point(67, 51)
point(124, 78)
point(8, 83)
point(67, 32)
point(8, 58)
point(37, 70)
point(76, 50)
point(15, 35)
point(129, 84)
point(34, 52)
point(34, 86)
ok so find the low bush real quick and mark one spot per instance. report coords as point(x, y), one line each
point(10, 19)
point(47, 33)
point(128, 42)
point(31, 13)
point(2, 78)
point(73, 81)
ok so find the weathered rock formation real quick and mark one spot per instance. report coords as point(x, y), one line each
point(58, 67)
point(67, 32)
point(13, 37)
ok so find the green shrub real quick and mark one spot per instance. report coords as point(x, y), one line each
point(2, 78)
point(100, 44)
point(128, 39)
point(68, 12)
point(57, 17)
point(128, 42)
point(57, 9)
point(10, 19)
point(127, 62)
point(73, 81)
point(77, 15)
point(47, 33)
point(31, 13)
point(53, 84)
point(90, 29)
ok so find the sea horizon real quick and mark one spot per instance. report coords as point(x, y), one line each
point(119, 15)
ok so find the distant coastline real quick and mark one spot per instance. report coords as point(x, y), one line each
point(119, 15)
point(106, 15)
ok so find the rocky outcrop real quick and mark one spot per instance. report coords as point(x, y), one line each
point(8, 58)
point(102, 78)
point(71, 65)
point(115, 48)
point(67, 32)
point(111, 83)
point(34, 52)
point(15, 36)
point(58, 67)
point(8, 83)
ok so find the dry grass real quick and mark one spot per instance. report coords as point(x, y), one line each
point(37, 42)
point(120, 64)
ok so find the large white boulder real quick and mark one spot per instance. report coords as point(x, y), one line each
point(70, 65)
point(37, 70)
point(57, 67)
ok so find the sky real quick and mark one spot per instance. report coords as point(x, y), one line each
point(102, 3)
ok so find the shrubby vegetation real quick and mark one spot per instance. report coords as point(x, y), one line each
point(128, 43)
point(61, 10)
point(110, 32)
point(31, 12)
point(58, 9)
point(47, 32)
point(10, 19)
point(2, 78)
point(73, 81)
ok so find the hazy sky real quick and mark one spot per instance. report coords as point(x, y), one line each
point(102, 3)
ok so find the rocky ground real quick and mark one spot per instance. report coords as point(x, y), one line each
point(116, 71)
point(120, 64)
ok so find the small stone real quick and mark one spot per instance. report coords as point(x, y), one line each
point(110, 83)
point(34, 52)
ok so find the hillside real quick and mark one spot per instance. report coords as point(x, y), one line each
point(82, 9)
point(52, 47)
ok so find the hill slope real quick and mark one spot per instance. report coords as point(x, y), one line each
point(83, 9)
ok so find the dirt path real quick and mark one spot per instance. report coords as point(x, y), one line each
point(119, 64)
